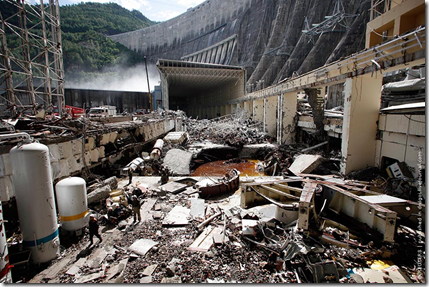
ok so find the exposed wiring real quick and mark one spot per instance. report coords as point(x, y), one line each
point(414, 120)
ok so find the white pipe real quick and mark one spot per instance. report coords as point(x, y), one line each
point(15, 135)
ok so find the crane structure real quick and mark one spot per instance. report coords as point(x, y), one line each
point(31, 57)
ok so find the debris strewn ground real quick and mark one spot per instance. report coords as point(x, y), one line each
point(224, 243)
point(284, 228)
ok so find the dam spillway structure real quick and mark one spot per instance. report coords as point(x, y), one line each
point(32, 179)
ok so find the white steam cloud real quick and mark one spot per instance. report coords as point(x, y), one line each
point(129, 79)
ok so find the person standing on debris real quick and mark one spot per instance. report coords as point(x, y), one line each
point(93, 229)
point(136, 208)
point(164, 175)
point(130, 176)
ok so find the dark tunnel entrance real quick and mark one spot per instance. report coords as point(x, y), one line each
point(199, 89)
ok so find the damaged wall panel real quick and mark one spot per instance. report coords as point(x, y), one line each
point(371, 214)
point(361, 111)
point(67, 158)
point(271, 116)
point(402, 137)
point(289, 109)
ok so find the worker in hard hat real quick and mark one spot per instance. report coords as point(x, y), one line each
point(93, 229)
point(136, 208)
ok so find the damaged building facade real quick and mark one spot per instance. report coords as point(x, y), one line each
point(355, 83)
point(367, 109)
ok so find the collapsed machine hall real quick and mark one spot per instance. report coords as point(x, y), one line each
point(232, 170)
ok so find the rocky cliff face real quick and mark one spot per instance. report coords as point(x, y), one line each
point(267, 37)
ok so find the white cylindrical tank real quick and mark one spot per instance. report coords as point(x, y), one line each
point(35, 201)
point(5, 274)
point(72, 203)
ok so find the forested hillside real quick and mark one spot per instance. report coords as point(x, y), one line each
point(84, 28)
point(86, 49)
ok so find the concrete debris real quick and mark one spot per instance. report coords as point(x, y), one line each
point(142, 246)
point(204, 241)
point(173, 187)
point(89, 278)
point(102, 190)
point(146, 279)
point(173, 280)
point(241, 246)
point(305, 163)
point(197, 208)
point(176, 137)
point(178, 216)
point(233, 130)
point(149, 270)
point(311, 228)
point(178, 161)
point(115, 271)
point(76, 267)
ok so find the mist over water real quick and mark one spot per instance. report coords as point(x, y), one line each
point(118, 78)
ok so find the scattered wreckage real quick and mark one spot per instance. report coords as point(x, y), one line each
point(289, 229)
point(295, 227)
point(213, 188)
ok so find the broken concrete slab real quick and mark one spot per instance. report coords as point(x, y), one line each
point(219, 239)
point(177, 216)
point(149, 270)
point(248, 226)
point(95, 259)
point(176, 137)
point(76, 267)
point(197, 208)
point(146, 279)
point(178, 161)
point(90, 277)
point(173, 187)
point(157, 215)
point(172, 267)
point(117, 269)
point(145, 210)
point(53, 270)
point(205, 240)
point(73, 270)
point(142, 246)
point(305, 163)
point(172, 280)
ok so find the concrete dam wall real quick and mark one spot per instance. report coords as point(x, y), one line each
point(264, 37)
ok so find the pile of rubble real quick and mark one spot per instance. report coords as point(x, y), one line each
point(186, 239)
point(50, 126)
point(233, 130)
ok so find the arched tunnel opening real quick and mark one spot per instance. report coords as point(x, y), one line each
point(200, 89)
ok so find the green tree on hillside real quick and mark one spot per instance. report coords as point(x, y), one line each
point(84, 26)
